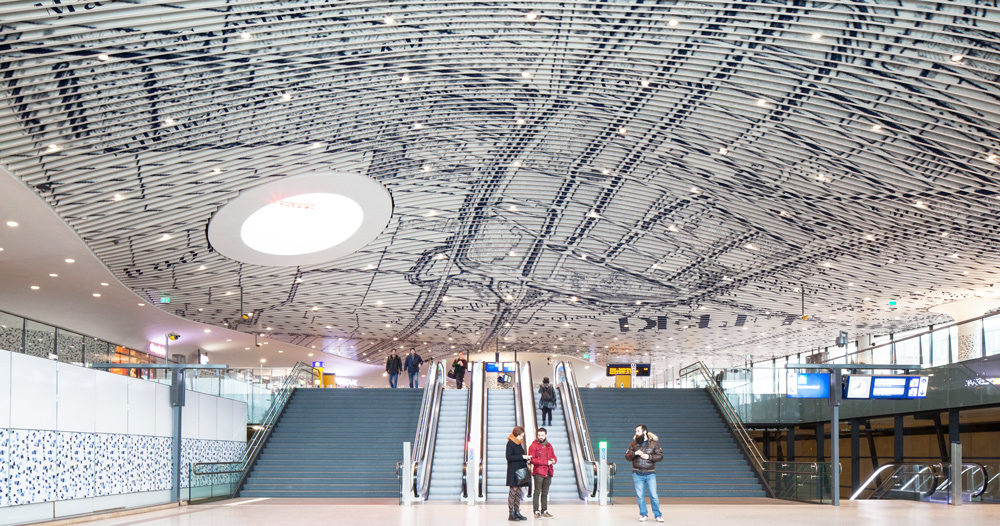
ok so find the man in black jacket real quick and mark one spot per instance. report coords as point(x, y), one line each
point(393, 365)
point(645, 452)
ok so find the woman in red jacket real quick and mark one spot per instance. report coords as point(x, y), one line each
point(543, 457)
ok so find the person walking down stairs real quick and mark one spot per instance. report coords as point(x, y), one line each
point(393, 366)
point(546, 401)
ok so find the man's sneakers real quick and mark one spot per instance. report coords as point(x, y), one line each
point(642, 518)
point(659, 519)
point(538, 515)
point(546, 514)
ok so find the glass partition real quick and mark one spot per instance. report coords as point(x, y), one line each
point(11, 332)
point(40, 340)
point(69, 347)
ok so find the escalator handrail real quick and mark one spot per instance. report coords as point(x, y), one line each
point(468, 435)
point(936, 470)
point(572, 411)
point(525, 402)
point(423, 450)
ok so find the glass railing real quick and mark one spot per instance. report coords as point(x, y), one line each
point(921, 481)
point(799, 481)
point(223, 479)
point(758, 394)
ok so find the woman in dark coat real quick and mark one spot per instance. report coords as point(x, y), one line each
point(516, 459)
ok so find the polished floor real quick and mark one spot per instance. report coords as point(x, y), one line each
point(693, 512)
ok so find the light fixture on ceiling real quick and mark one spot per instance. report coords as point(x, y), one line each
point(432, 213)
point(516, 164)
point(35, 287)
point(816, 36)
point(96, 294)
point(957, 58)
point(695, 190)
point(118, 197)
point(623, 130)
point(751, 246)
point(655, 267)
point(593, 214)
point(673, 22)
point(920, 204)
point(388, 20)
point(417, 125)
point(53, 275)
point(531, 15)
point(70, 260)
point(512, 253)
point(573, 298)
point(673, 228)
point(286, 95)
point(723, 151)
point(876, 127)
point(404, 78)
point(103, 57)
point(12, 224)
point(762, 102)
point(526, 74)
point(993, 159)
point(644, 83)
point(246, 36)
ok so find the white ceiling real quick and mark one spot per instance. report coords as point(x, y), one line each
point(687, 166)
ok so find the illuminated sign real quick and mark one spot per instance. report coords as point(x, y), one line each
point(164, 299)
point(864, 387)
point(808, 385)
point(157, 348)
point(318, 364)
point(641, 369)
point(501, 367)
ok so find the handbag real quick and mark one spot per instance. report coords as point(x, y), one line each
point(521, 476)
point(451, 374)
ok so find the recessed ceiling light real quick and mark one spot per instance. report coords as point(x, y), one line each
point(694, 189)
point(286, 96)
point(892, 261)
point(379, 302)
point(103, 57)
point(920, 204)
point(53, 275)
point(623, 130)
point(655, 266)
point(165, 237)
point(512, 253)
point(229, 293)
point(870, 237)
point(593, 214)
point(516, 164)
point(573, 298)
point(97, 295)
point(955, 255)
point(644, 83)
point(217, 170)
point(440, 256)
point(427, 168)
point(208, 331)
point(637, 302)
point(246, 36)
point(432, 213)
point(417, 125)
point(118, 197)
point(12, 223)
point(723, 150)
point(445, 298)
point(168, 120)
point(876, 127)
point(751, 246)
point(70, 260)
point(405, 78)
point(388, 20)
point(531, 15)
point(762, 102)
point(141, 304)
point(672, 228)
point(526, 74)
point(35, 287)
point(605, 171)
point(957, 58)
point(993, 159)
point(673, 22)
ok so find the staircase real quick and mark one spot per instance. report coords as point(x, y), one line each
point(337, 443)
point(700, 456)
point(500, 422)
point(449, 447)
point(564, 482)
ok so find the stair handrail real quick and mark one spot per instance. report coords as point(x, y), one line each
point(584, 466)
point(424, 442)
point(262, 432)
point(733, 421)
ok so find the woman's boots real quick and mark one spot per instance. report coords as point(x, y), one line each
point(516, 516)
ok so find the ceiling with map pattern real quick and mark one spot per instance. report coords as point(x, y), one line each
point(684, 178)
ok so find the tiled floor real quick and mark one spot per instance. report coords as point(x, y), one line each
point(695, 512)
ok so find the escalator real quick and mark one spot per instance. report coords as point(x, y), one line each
point(449, 446)
point(922, 481)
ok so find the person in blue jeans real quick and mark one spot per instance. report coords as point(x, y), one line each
point(644, 452)
point(393, 366)
point(412, 366)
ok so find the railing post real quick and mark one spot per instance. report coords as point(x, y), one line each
point(956, 473)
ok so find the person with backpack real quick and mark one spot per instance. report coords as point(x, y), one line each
point(543, 457)
point(393, 365)
point(546, 401)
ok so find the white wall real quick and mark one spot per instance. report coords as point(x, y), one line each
point(75, 440)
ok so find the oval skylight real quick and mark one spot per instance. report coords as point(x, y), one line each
point(302, 224)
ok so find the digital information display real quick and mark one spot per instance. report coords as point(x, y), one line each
point(501, 367)
point(864, 387)
point(808, 385)
point(641, 369)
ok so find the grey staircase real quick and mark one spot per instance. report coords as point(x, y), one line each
point(337, 443)
point(499, 423)
point(700, 456)
point(564, 482)
point(449, 446)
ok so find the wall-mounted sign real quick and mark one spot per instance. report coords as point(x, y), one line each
point(164, 299)
point(808, 385)
point(318, 364)
point(864, 387)
point(501, 367)
point(157, 349)
point(641, 369)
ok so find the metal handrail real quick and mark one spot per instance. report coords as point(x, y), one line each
point(481, 483)
point(936, 470)
point(476, 384)
point(468, 436)
point(260, 436)
point(576, 430)
point(424, 442)
point(965, 467)
point(524, 410)
point(734, 421)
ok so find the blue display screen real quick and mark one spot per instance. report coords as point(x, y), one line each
point(501, 367)
point(808, 385)
point(886, 387)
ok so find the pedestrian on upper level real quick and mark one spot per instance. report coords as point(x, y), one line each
point(546, 401)
point(644, 452)
point(412, 366)
point(393, 366)
point(458, 368)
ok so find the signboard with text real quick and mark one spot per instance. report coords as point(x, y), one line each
point(641, 369)
point(865, 387)
point(808, 385)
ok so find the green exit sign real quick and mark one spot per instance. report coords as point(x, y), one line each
point(586, 356)
point(165, 299)
point(892, 303)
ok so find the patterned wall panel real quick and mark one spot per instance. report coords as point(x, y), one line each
point(44, 466)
